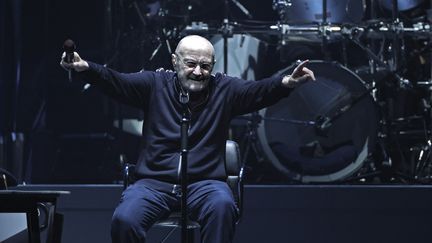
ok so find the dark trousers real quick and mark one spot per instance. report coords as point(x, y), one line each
point(210, 203)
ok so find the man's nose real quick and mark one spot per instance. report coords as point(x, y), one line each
point(197, 70)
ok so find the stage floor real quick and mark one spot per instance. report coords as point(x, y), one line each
point(277, 213)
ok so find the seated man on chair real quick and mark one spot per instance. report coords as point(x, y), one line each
point(213, 101)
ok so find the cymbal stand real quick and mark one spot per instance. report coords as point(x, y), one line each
point(242, 8)
point(324, 31)
point(227, 29)
point(396, 45)
point(165, 35)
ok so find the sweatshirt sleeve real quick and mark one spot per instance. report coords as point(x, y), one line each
point(129, 88)
point(249, 96)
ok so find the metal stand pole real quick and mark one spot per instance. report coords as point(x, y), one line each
point(185, 122)
point(324, 33)
point(225, 35)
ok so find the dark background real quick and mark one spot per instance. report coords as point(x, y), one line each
point(56, 131)
point(52, 130)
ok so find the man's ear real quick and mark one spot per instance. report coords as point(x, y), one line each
point(173, 59)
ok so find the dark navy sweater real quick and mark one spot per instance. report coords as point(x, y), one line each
point(157, 94)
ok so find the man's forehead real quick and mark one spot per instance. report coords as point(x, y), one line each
point(195, 49)
point(195, 45)
point(196, 55)
point(195, 40)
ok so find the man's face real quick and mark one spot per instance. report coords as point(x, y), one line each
point(193, 68)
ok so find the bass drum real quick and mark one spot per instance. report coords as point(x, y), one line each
point(324, 130)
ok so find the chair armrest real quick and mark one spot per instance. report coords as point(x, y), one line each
point(128, 174)
point(232, 158)
point(234, 170)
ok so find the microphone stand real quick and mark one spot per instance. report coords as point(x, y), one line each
point(324, 122)
point(184, 130)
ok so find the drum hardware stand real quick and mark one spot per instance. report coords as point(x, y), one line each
point(280, 6)
point(324, 32)
point(251, 139)
point(386, 170)
point(344, 52)
point(397, 26)
point(166, 35)
point(422, 163)
point(227, 32)
point(403, 83)
point(425, 162)
point(227, 29)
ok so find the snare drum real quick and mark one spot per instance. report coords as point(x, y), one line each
point(304, 137)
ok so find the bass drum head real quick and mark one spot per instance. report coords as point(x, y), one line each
point(320, 152)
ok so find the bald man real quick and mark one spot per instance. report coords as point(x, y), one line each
point(213, 100)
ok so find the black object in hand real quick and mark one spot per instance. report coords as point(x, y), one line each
point(69, 48)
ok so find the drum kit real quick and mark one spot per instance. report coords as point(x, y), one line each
point(367, 118)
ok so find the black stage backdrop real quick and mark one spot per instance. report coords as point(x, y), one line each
point(56, 131)
point(65, 129)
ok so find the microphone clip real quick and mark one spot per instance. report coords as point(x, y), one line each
point(184, 97)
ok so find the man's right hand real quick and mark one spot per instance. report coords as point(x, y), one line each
point(77, 63)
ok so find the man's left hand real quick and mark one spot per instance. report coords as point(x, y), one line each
point(300, 75)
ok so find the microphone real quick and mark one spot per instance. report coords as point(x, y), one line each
point(322, 125)
point(69, 48)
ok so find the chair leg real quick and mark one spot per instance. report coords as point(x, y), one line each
point(58, 227)
point(168, 235)
point(190, 232)
point(191, 235)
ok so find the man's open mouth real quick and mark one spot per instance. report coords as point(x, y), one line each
point(196, 80)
